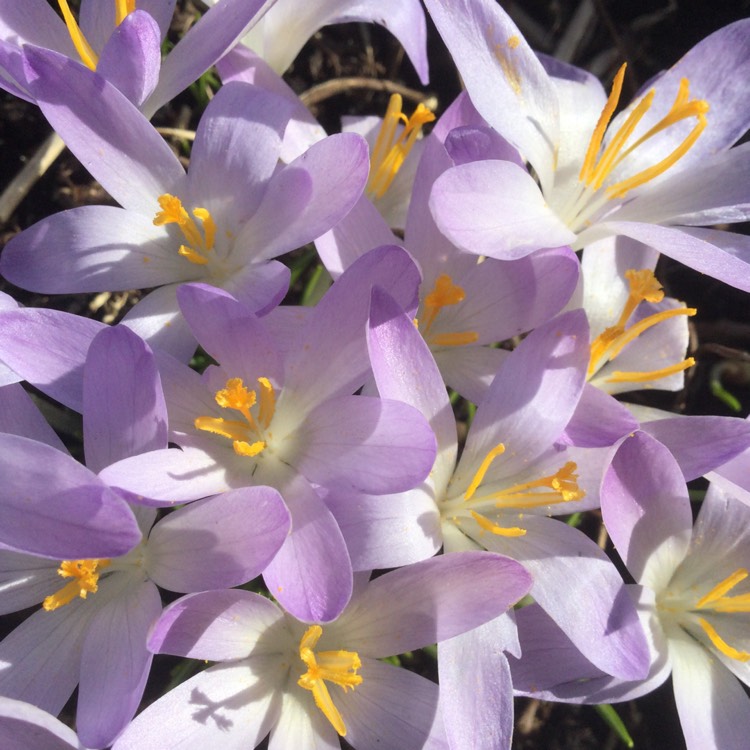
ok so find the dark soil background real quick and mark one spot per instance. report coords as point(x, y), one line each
point(594, 34)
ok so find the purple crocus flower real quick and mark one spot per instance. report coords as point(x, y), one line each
point(92, 628)
point(658, 172)
point(308, 685)
point(121, 40)
point(283, 414)
point(692, 596)
point(222, 222)
point(511, 476)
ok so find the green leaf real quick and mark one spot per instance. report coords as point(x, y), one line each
point(613, 720)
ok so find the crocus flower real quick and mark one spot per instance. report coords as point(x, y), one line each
point(92, 627)
point(284, 415)
point(512, 475)
point(223, 222)
point(308, 685)
point(656, 173)
point(692, 595)
point(121, 40)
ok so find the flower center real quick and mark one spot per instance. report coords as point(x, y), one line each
point(599, 163)
point(88, 57)
point(716, 600)
point(200, 239)
point(85, 575)
point(338, 667)
point(249, 436)
point(608, 344)
point(391, 147)
point(560, 487)
point(444, 294)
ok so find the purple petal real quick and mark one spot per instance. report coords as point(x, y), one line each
point(23, 725)
point(372, 445)
point(115, 664)
point(432, 601)
point(599, 420)
point(113, 140)
point(48, 348)
point(54, 507)
point(20, 416)
point(646, 509)
point(311, 576)
point(123, 404)
point(131, 58)
point(220, 542)
point(216, 625)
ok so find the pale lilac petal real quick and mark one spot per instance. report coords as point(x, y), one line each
point(372, 445)
point(531, 400)
point(504, 78)
point(94, 248)
point(472, 371)
point(392, 708)
point(48, 348)
point(13, 74)
point(721, 255)
point(701, 443)
point(217, 626)
point(54, 507)
point(260, 286)
point(495, 208)
point(646, 509)
point(167, 477)
point(39, 659)
point(34, 22)
point(236, 150)
point(220, 542)
point(97, 20)
point(301, 724)
point(23, 726)
point(712, 705)
point(308, 197)
point(113, 140)
point(387, 531)
point(311, 576)
point(227, 706)
point(217, 32)
point(599, 420)
point(115, 664)
point(475, 684)
point(580, 588)
point(123, 404)
point(393, 342)
point(131, 58)
point(158, 321)
point(330, 353)
point(25, 580)
point(19, 415)
point(431, 601)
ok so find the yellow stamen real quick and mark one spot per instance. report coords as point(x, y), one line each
point(198, 242)
point(721, 644)
point(595, 173)
point(122, 9)
point(88, 57)
point(716, 599)
point(339, 667)
point(498, 450)
point(238, 397)
point(445, 293)
point(390, 149)
point(493, 528)
point(610, 342)
point(85, 575)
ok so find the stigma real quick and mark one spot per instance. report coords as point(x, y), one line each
point(338, 667)
point(198, 230)
point(85, 581)
point(88, 57)
point(249, 435)
point(391, 147)
point(443, 294)
point(644, 287)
